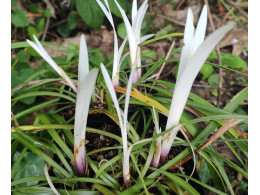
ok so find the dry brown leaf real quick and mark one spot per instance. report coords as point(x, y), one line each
point(241, 34)
point(102, 39)
point(177, 16)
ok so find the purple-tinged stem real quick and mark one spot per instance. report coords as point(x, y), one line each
point(80, 158)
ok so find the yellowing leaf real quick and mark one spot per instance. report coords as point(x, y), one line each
point(139, 96)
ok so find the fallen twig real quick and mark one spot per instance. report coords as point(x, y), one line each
point(219, 133)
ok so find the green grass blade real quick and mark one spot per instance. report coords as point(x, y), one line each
point(160, 38)
point(45, 157)
point(231, 164)
point(37, 107)
point(238, 99)
point(186, 186)
point(201, 183)
point(23, 44)
point(139, 173)
point(62, 158)
point(43, 93)
point(137, 187)
point(102, 189)
point(103, 175)
point(222, 171)
point(149, 159)
point(45, 120)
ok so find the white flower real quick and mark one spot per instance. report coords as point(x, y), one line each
point(122, 120)
point(117, 52)
point(87, 80)
point(134, 33)
point(194, 54)
point(40, 50)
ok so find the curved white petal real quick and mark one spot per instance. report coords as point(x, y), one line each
point(82, 106)
point(106, 12)
point(121, 49)
point(83, 68)
point(112, 93)
point(39, 49)
point(189, 28)
point(45, 56)
point(110, 18)
point(127, 95)
point(201, 54)
point(200, 30)
point(188, 39)
point(130, 34)
point(144, 38)
point(115, 76)
point(121, 60)
point(138, 72)
point(139, 22)
point(134, 10)
point(140, 10)
point(181, 91)
point(48, 58)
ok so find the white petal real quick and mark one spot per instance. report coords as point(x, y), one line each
point(108, 14)
point(39, 48)
point(186, 79)
point(140, 10)
point(200, 30)
point(122, 47)
point(202, 53)
point(109, 17)
point(130, 33)
point(138, 26)
point(112, 93)
point(189, 28)
point(44, 56)
point(82, 105)
point(127, 95)
point(122, 59)
point(146, 37)
point(188, 39)
point(177, 105)
point(106, 2)
point(83, 68)
point(116, 55)
point(134, 10)
point(117, 63)
point(139, 64)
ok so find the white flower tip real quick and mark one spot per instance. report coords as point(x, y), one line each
point(102, 66)
point(204, 7)
point(35, 38)
point(29, 42)
point(204, 12)
point(190, 14)
point(82, 37)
